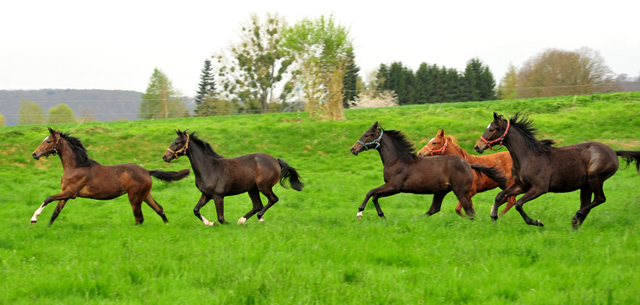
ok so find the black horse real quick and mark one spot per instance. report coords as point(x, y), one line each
point(405, 172)
point(217, 176)
point(539, 168)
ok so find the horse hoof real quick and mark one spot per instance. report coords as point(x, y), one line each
point(540, 223)
point(261, 220)
point(33, 222)
point(242, 221)
point(359, 215)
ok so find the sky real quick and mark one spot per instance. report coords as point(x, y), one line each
point(116, 45)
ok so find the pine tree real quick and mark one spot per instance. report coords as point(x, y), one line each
point(350, 81)
point(206, 88)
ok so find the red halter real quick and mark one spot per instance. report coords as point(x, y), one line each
point(439, 150)
point(501, 138)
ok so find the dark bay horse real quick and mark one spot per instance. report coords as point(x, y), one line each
point(404, 172)
point(217, 176)
point(446, 145)
point(84, 177)
point(539, 168)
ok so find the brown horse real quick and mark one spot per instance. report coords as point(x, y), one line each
point(217, 176)
point(539, 168)
point(86, 178)
point(404, 172)
point(441, 145)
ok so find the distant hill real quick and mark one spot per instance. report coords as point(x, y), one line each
point(103, 105)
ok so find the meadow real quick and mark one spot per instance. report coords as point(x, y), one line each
point(311, 249)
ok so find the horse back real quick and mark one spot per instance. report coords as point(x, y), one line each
point(243, 173)
point(436, 174)
point(111, 181)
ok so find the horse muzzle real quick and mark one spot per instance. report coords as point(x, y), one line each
point(480, 147)
point(167, 157)
point(356, 149)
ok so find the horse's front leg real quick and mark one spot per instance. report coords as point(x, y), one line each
point(381, 191)
point(219, 201)
point(64, 195)
point(512, 190)
point(196, 210)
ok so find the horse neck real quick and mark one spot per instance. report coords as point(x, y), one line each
point(201, 163)
point(517, 146)
point(455, 149)
point(388, 153)
point(67, 156)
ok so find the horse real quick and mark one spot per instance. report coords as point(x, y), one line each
point(86, 178)
point(441, 145)
point(217, 176)
point(405, 172)
point(539, 168)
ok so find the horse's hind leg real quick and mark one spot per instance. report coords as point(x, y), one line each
point(595, 186)
point(467, 204)
point(254, 194)
point(272, 200)
point(136, 206)
point(156, 207)
point(511, 201)
point(436, 203)
point(56, 212)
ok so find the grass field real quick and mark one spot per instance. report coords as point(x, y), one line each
point(311, 249)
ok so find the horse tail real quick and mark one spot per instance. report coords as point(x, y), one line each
point(493, 173)
point(167, 176)
point(630, 156)
point(290, 173)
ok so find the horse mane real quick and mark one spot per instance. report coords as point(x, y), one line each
point(206, 147)
point(403, 147)
point(82, 159)
point(525, 124)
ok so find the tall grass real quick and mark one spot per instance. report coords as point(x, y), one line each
point(311, 249)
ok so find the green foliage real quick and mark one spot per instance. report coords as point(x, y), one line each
point(206, 88)
point(161, 100)
point(478, 82)
point(349, 89)
point(2, 120)
point(311, 249)
point(30, 113)
point(61, 114)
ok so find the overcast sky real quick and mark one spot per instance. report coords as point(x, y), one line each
point(117, 44)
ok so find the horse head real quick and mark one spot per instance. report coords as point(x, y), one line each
point(435, 146)
point(178, 147)
point(49, 145)
point(495, 132)
point(369, 139)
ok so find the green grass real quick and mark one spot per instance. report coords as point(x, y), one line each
point(311, 249)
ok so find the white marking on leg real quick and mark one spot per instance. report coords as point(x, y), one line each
point(242, 221)
point(37, 213)
point(493, 210)
point(359, 215)
point(261, 220)
point(207, 223)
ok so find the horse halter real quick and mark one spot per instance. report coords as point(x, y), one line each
point(183, 149)
point(501, 138)
point(376, 141)
point(439, 150)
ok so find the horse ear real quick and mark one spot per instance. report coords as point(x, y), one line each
point(496, 116)
point(51, 131)
point(178, 132)
point(375, 125)
point(441, 132)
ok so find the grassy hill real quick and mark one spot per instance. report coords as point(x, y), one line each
point(311, 249)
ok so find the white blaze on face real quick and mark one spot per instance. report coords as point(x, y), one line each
point(430, 141)
point(44, 139)
point(488, 125)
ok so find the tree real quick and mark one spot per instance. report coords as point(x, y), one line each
point(401, 80)
point(30, 113)
point(2, 120)
point(508, 85)
point(320, 48)
point(477, 83)
point(251, 69)
point(206, 89)
point(161, 100)
point(61, 113)
point(557, 72)
point(350, 89)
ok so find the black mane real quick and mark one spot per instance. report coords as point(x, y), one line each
point(206, 148)
point(524, 124)
point(403, 147)
point(82, 159)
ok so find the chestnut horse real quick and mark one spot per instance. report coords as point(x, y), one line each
point(441, 145)
point(404, 172)
point(86, 178)
point(539, 168)
point(217, 176)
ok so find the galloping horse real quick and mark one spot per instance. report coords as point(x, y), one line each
point(441, 145)
point(86, 178)
point(404, 172)
point(217, 176)
point(539, 168)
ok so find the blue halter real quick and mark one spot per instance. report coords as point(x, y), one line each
point(376, 141)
